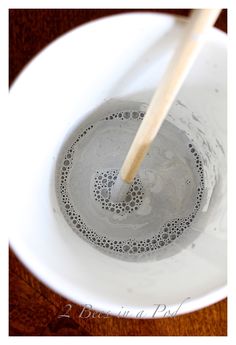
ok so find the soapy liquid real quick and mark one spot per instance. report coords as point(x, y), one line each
point(164, 199)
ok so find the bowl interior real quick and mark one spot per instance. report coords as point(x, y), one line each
point(88, 69)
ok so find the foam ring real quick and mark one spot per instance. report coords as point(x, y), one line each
point(169, 232)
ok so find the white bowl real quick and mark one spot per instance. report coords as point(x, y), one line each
point(121, 57)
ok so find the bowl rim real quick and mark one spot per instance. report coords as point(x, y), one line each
point(40, 272)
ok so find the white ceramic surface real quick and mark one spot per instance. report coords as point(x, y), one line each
point(120, 57)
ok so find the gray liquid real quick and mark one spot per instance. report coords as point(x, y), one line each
point(164, 199)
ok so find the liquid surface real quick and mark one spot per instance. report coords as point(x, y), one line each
point(162, 203)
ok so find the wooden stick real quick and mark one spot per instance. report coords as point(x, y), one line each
point(200, 21)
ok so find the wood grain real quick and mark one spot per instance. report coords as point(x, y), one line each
point(34, 309)
point(200, 22)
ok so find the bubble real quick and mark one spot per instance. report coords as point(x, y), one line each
point(135, 115)
point(126, 115)
point(165, 236)
point(126, 248)
point(129, 205)
point(128, 198)
point(104, 193)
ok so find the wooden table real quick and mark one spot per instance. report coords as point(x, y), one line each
point(35, 309)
